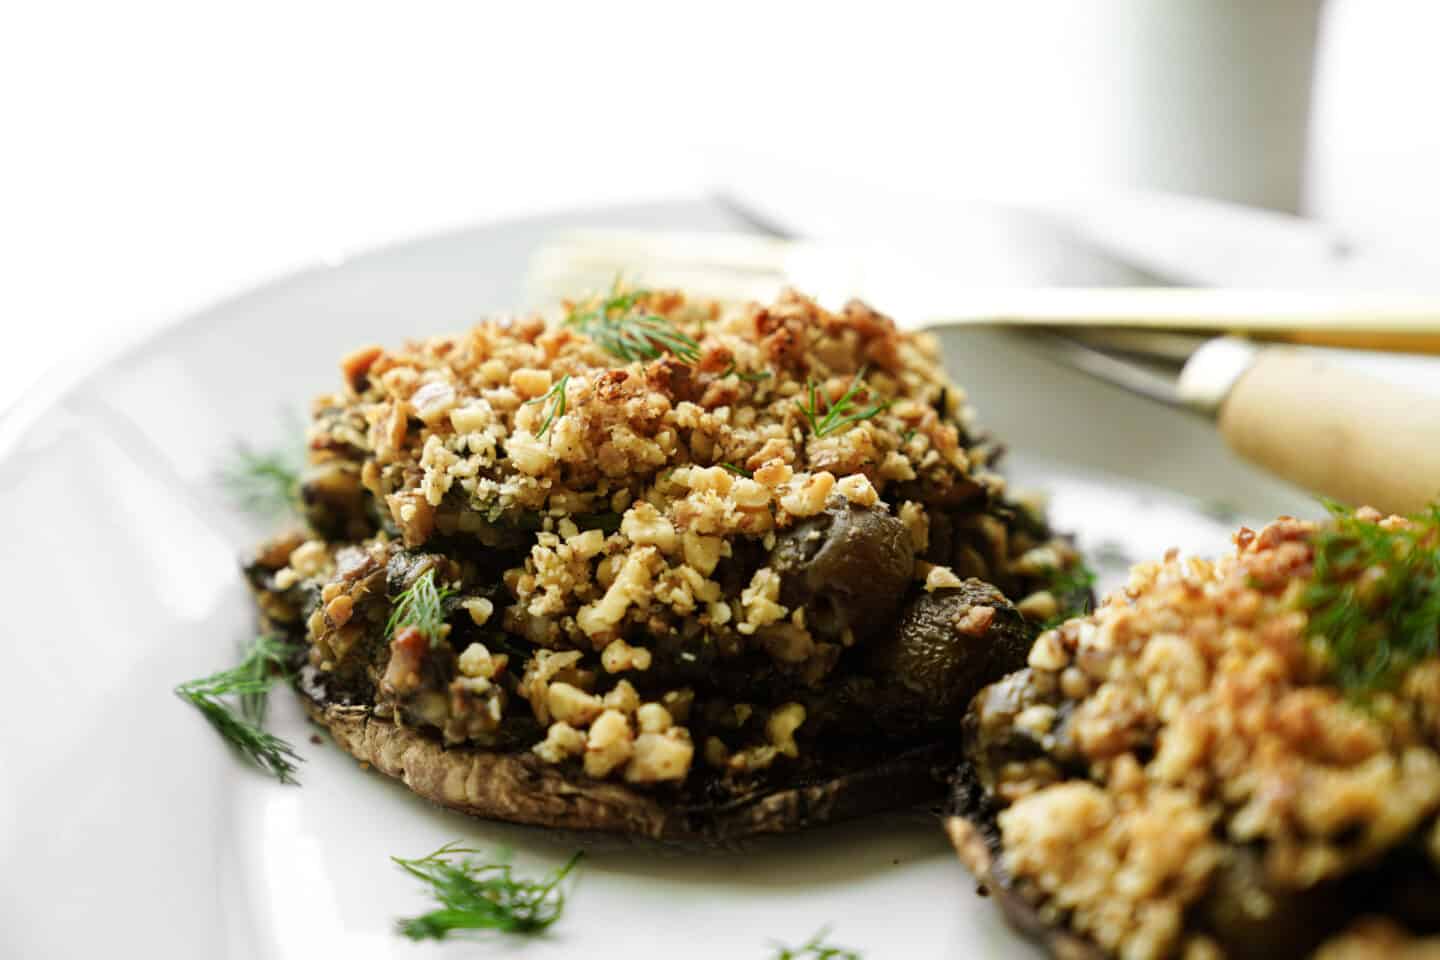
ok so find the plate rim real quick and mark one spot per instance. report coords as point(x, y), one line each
point(61, 379)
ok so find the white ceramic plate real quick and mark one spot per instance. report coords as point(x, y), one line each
point(127, 825)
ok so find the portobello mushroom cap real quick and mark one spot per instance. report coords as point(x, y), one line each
point(521, 788)
point(917, 680)
point(1043, 729)
point(1247, 918)
point(679, 596)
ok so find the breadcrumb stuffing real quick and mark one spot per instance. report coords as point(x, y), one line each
point(631, 503)
point(1198, 716)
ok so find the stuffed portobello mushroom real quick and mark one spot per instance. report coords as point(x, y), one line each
point(1232, 759)
point(658, 566)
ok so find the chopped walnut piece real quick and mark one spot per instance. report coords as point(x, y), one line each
point(310, 559)
point(653, 718)
point(571, 705)
point(434, 401)
point(561, 742)
point(619, 656)
point(781, 725)
point(356, 364)
point(477, 661)
point(530, 383)
point(623, 698)
point(939, 578)
point(609, 745)
point(1040, 605)
point(658, 757)
point(975, 621)
point(480, 610)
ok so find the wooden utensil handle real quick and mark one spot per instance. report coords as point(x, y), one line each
point(1339, 433)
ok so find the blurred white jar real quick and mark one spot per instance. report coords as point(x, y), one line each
point(1024, 97)
point(1375, 149)
point(1213, 96)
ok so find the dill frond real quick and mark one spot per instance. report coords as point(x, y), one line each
point(1374, 596)
point(249, 682)
point(266, 484)
point(422, 606)
point(1073, 589)
point(815, 949)
point(625, 331)
point(840, 414)
point(556, 396)
point(474, 895)
point(747, 377)
point(738, 471)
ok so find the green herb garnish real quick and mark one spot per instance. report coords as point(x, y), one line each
point(249, 682)
point(839, 414)
point(475, 895)
point(267, 484)
point(1073, 589)
point(556, 393)
point(747, 377)
point(815, 949)
point(738, 471)
point(422, 606)
point(624, 330)
point(1374, 597)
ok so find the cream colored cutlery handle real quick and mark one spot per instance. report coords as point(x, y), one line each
point(1339, 433)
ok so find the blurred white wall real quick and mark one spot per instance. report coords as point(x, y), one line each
point(161, 154)
point(1375, 156)
point(1025, 96)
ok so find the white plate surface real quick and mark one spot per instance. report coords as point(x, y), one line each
point(125, 824)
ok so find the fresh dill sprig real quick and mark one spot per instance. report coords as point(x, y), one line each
point(420, 605)
point(556, 394)
point(1374, 596)
point(627, 332)
point(475, 895)
point(815, 949)
point(738, 471)
point(1073, 589)
point(839, 414)
point(267, 484)
point(249, 681)
point(747, 377)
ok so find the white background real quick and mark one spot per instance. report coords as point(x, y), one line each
point(158, 156)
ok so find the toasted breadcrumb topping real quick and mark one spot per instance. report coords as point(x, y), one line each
point(625, 491)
